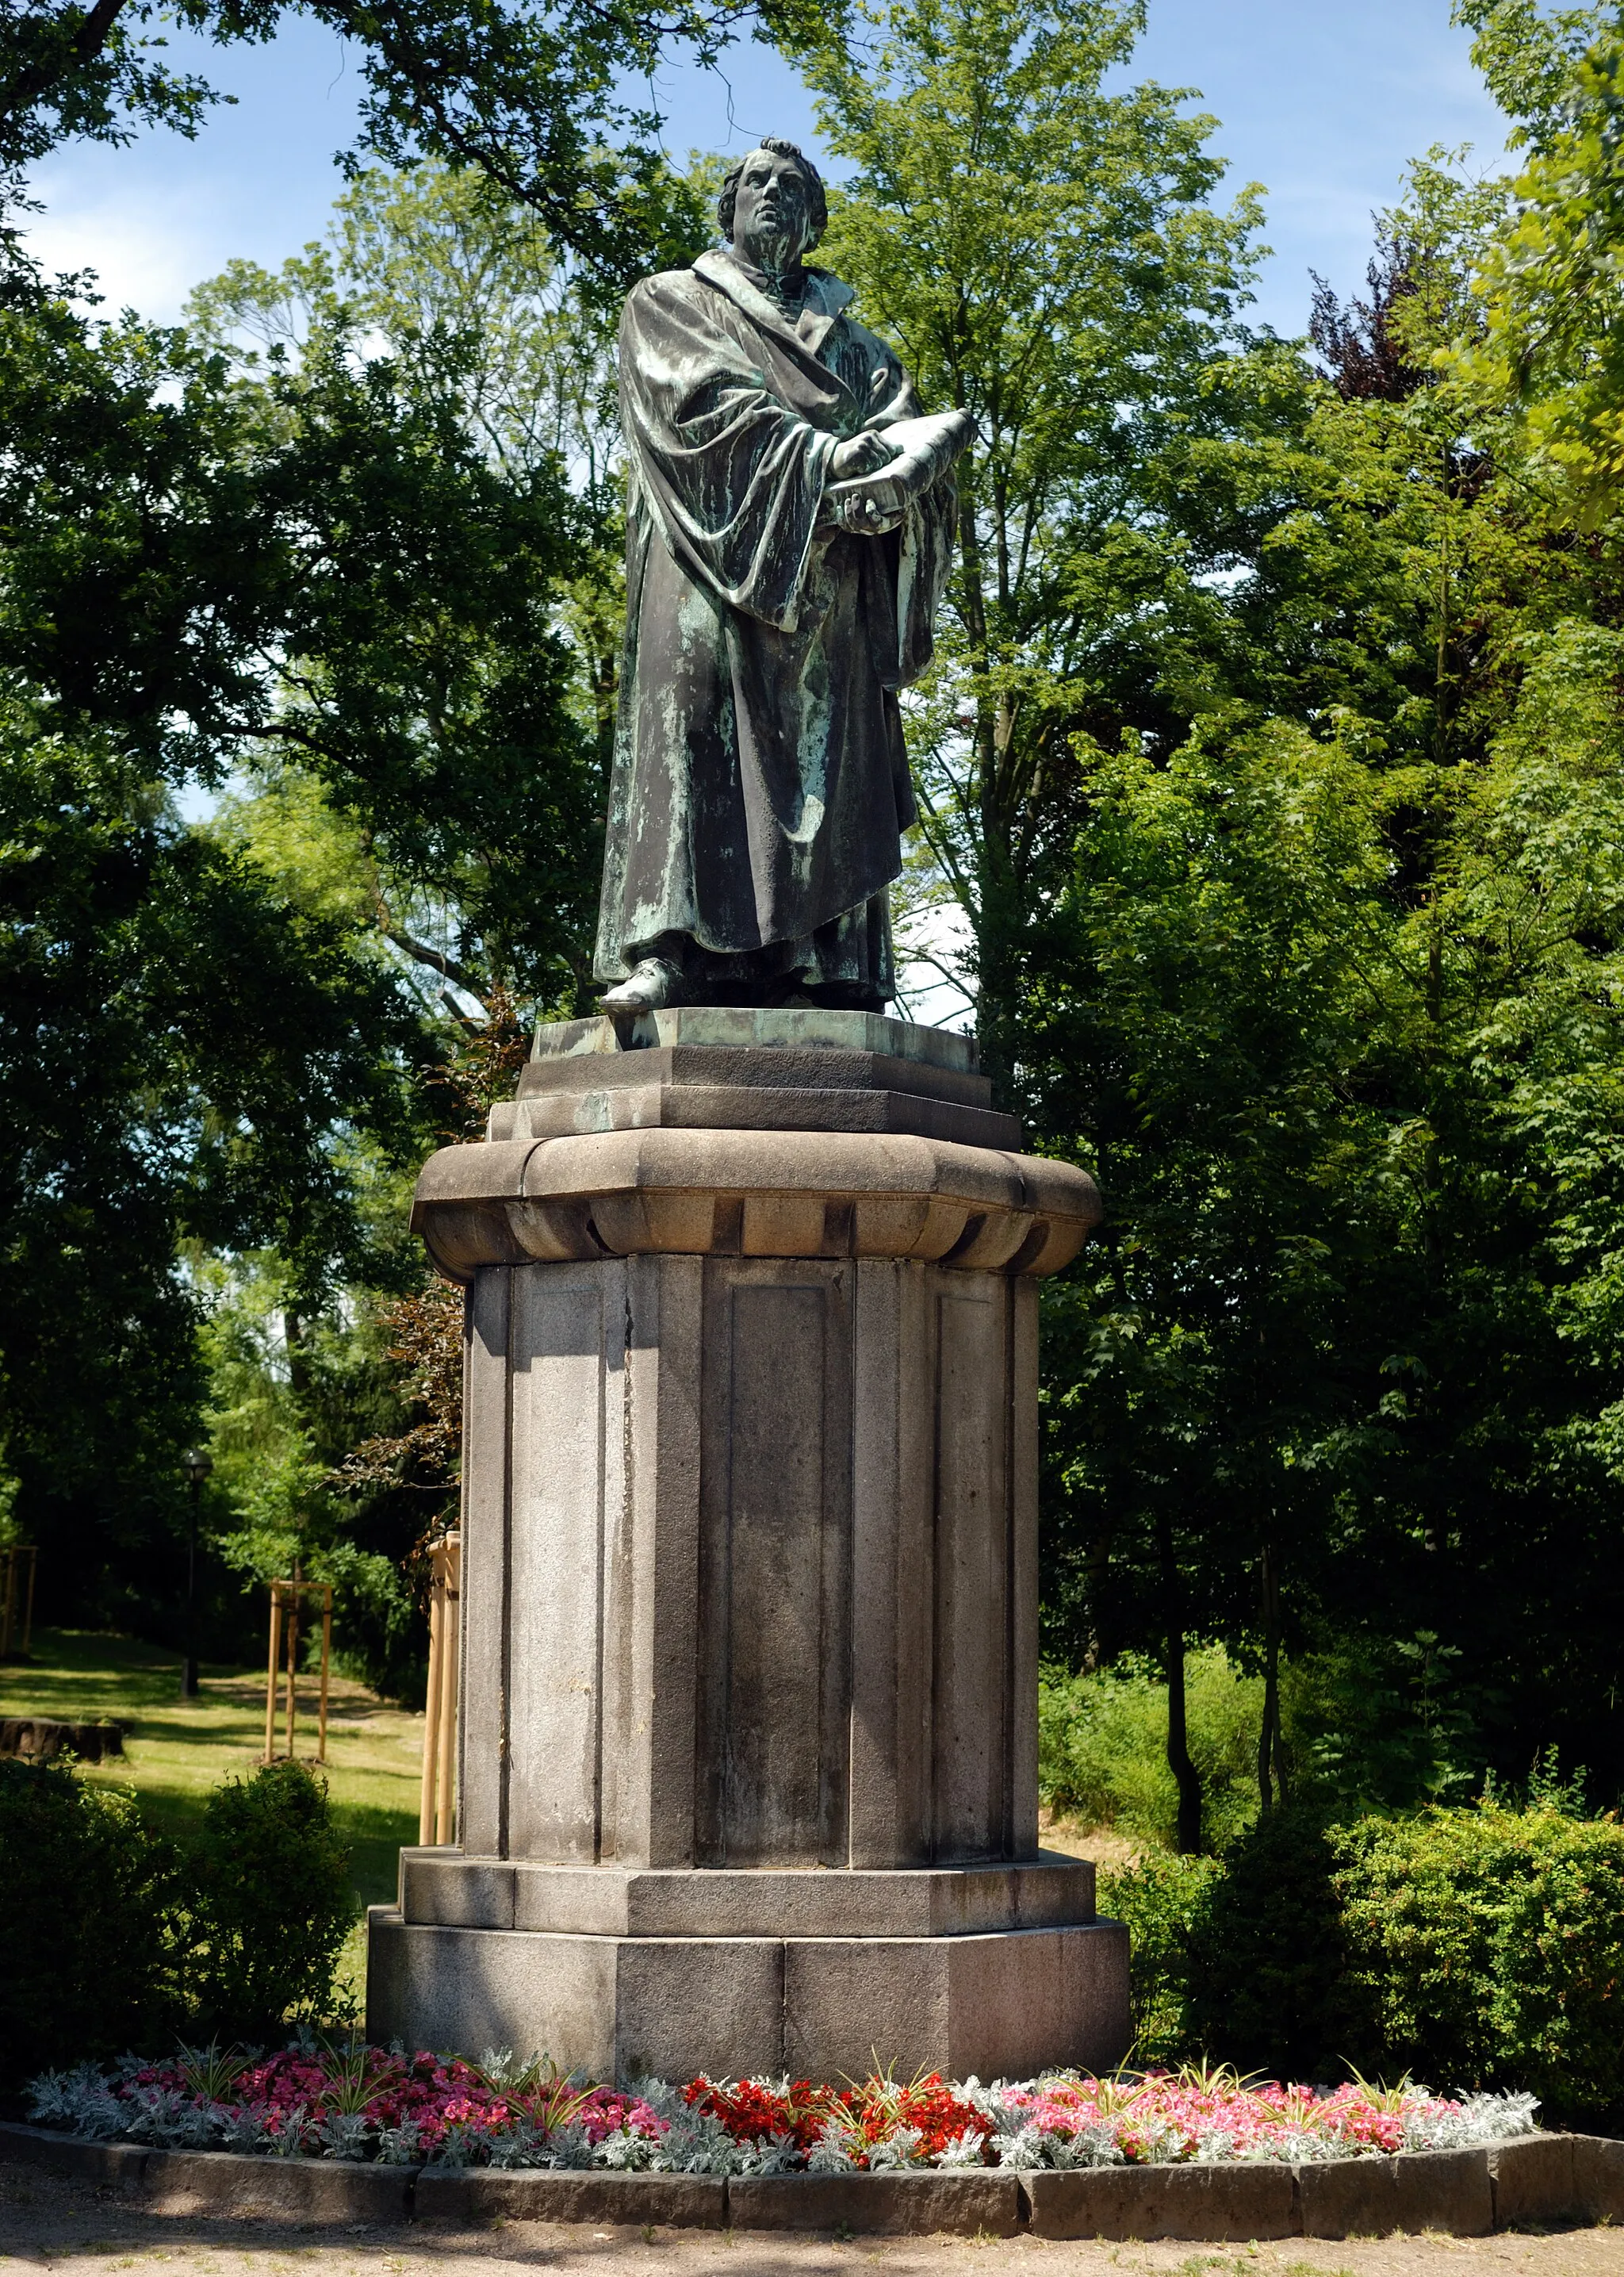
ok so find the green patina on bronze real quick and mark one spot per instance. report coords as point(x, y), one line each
point(785, 561)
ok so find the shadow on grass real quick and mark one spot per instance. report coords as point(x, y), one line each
point(177, 1751)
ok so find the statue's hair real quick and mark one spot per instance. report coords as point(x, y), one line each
point(817, 202)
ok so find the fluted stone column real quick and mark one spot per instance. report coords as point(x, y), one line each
point(748, 1748)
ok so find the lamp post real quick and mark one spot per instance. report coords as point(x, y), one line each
point(197, 1464)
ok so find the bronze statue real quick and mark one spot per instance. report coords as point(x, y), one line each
point(790, 521)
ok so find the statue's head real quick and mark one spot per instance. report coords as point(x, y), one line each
point(772, 208)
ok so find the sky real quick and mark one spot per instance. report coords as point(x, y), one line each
point(1323, 101)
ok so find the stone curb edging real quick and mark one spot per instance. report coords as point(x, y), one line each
point(1533, 2180)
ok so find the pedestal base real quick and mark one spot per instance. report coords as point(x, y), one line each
point(748, 1766)
point(1007, 2005)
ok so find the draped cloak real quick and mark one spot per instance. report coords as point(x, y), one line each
point(760, 785)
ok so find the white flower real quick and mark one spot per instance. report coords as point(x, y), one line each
point(568, 2147)
point(453, 2153)
point(623, 2152)
point(777, 2155)
point(285, 2132)
point(242, 2127)
point(1089, 2146)
point(1303, 2149)
point(1163, 2145)
point(1215, 2147)
point(171, 2119)
point(516, 2145)
point(694, 2142)
point(1026, 2149)
point(1480, 2119)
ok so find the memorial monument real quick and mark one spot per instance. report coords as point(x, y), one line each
point(748, 1755)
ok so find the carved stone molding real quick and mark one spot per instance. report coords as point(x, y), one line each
point(750, 1193)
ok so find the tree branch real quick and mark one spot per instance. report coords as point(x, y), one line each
point(424, 955)
point(88, 42)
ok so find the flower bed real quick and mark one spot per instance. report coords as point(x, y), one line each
point(359, 2103)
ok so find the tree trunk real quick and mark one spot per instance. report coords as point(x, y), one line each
point(297, 1360)
point(1269, 1737)
point(1186, 1775)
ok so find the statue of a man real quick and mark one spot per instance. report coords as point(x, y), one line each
point(790, 521)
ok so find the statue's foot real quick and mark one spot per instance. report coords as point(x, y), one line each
point(845, 996)
point(652, 985)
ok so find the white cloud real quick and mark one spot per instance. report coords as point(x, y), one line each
point(147, 249)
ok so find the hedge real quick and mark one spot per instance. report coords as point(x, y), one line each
point(1469, 1948)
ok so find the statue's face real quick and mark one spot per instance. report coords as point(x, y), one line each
point(772, 211)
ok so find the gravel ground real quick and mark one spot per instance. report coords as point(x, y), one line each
point(45, 2219)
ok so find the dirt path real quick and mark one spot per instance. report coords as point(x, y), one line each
point(44, 2219)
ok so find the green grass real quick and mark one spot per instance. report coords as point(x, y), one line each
point(177, 1751)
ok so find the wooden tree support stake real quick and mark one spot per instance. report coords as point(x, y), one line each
point(437, 1813)
point(282, 1662)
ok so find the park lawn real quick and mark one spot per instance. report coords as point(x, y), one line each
point(177, 1751)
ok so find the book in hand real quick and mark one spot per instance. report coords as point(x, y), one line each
point(925, 448)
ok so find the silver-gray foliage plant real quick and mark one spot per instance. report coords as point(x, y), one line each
point(98, 2103)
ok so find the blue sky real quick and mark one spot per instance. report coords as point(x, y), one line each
point(1321, 101)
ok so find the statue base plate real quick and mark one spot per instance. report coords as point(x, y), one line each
point(721, 1068)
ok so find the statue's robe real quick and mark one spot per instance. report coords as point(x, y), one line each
point(759, 786)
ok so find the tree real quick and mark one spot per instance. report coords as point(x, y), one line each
point(1201, 1018)
point(530, 93)
point(479, 316)
point(1041, 254)
point(1553, 339)
point(180, 1051)
point(474, 311)
point(197, 569)
point(1285, 875)
point(433, 259)
point(1327, 1004)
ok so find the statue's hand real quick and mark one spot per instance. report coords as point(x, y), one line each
point(859, 454)
point(865, 517)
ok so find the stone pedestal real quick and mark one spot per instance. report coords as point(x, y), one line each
point(748, 1748)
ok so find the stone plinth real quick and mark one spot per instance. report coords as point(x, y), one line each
point(710, 1069)
point(749, 1749)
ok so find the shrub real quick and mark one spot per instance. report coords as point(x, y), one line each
point(1162, 1900)
point(1268, 1964)
point(1380, 1723)
point(89, 1896)
point(1486, 1946)
point(1103, 1746)
point(1377, 1724)
point(271, 1907)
